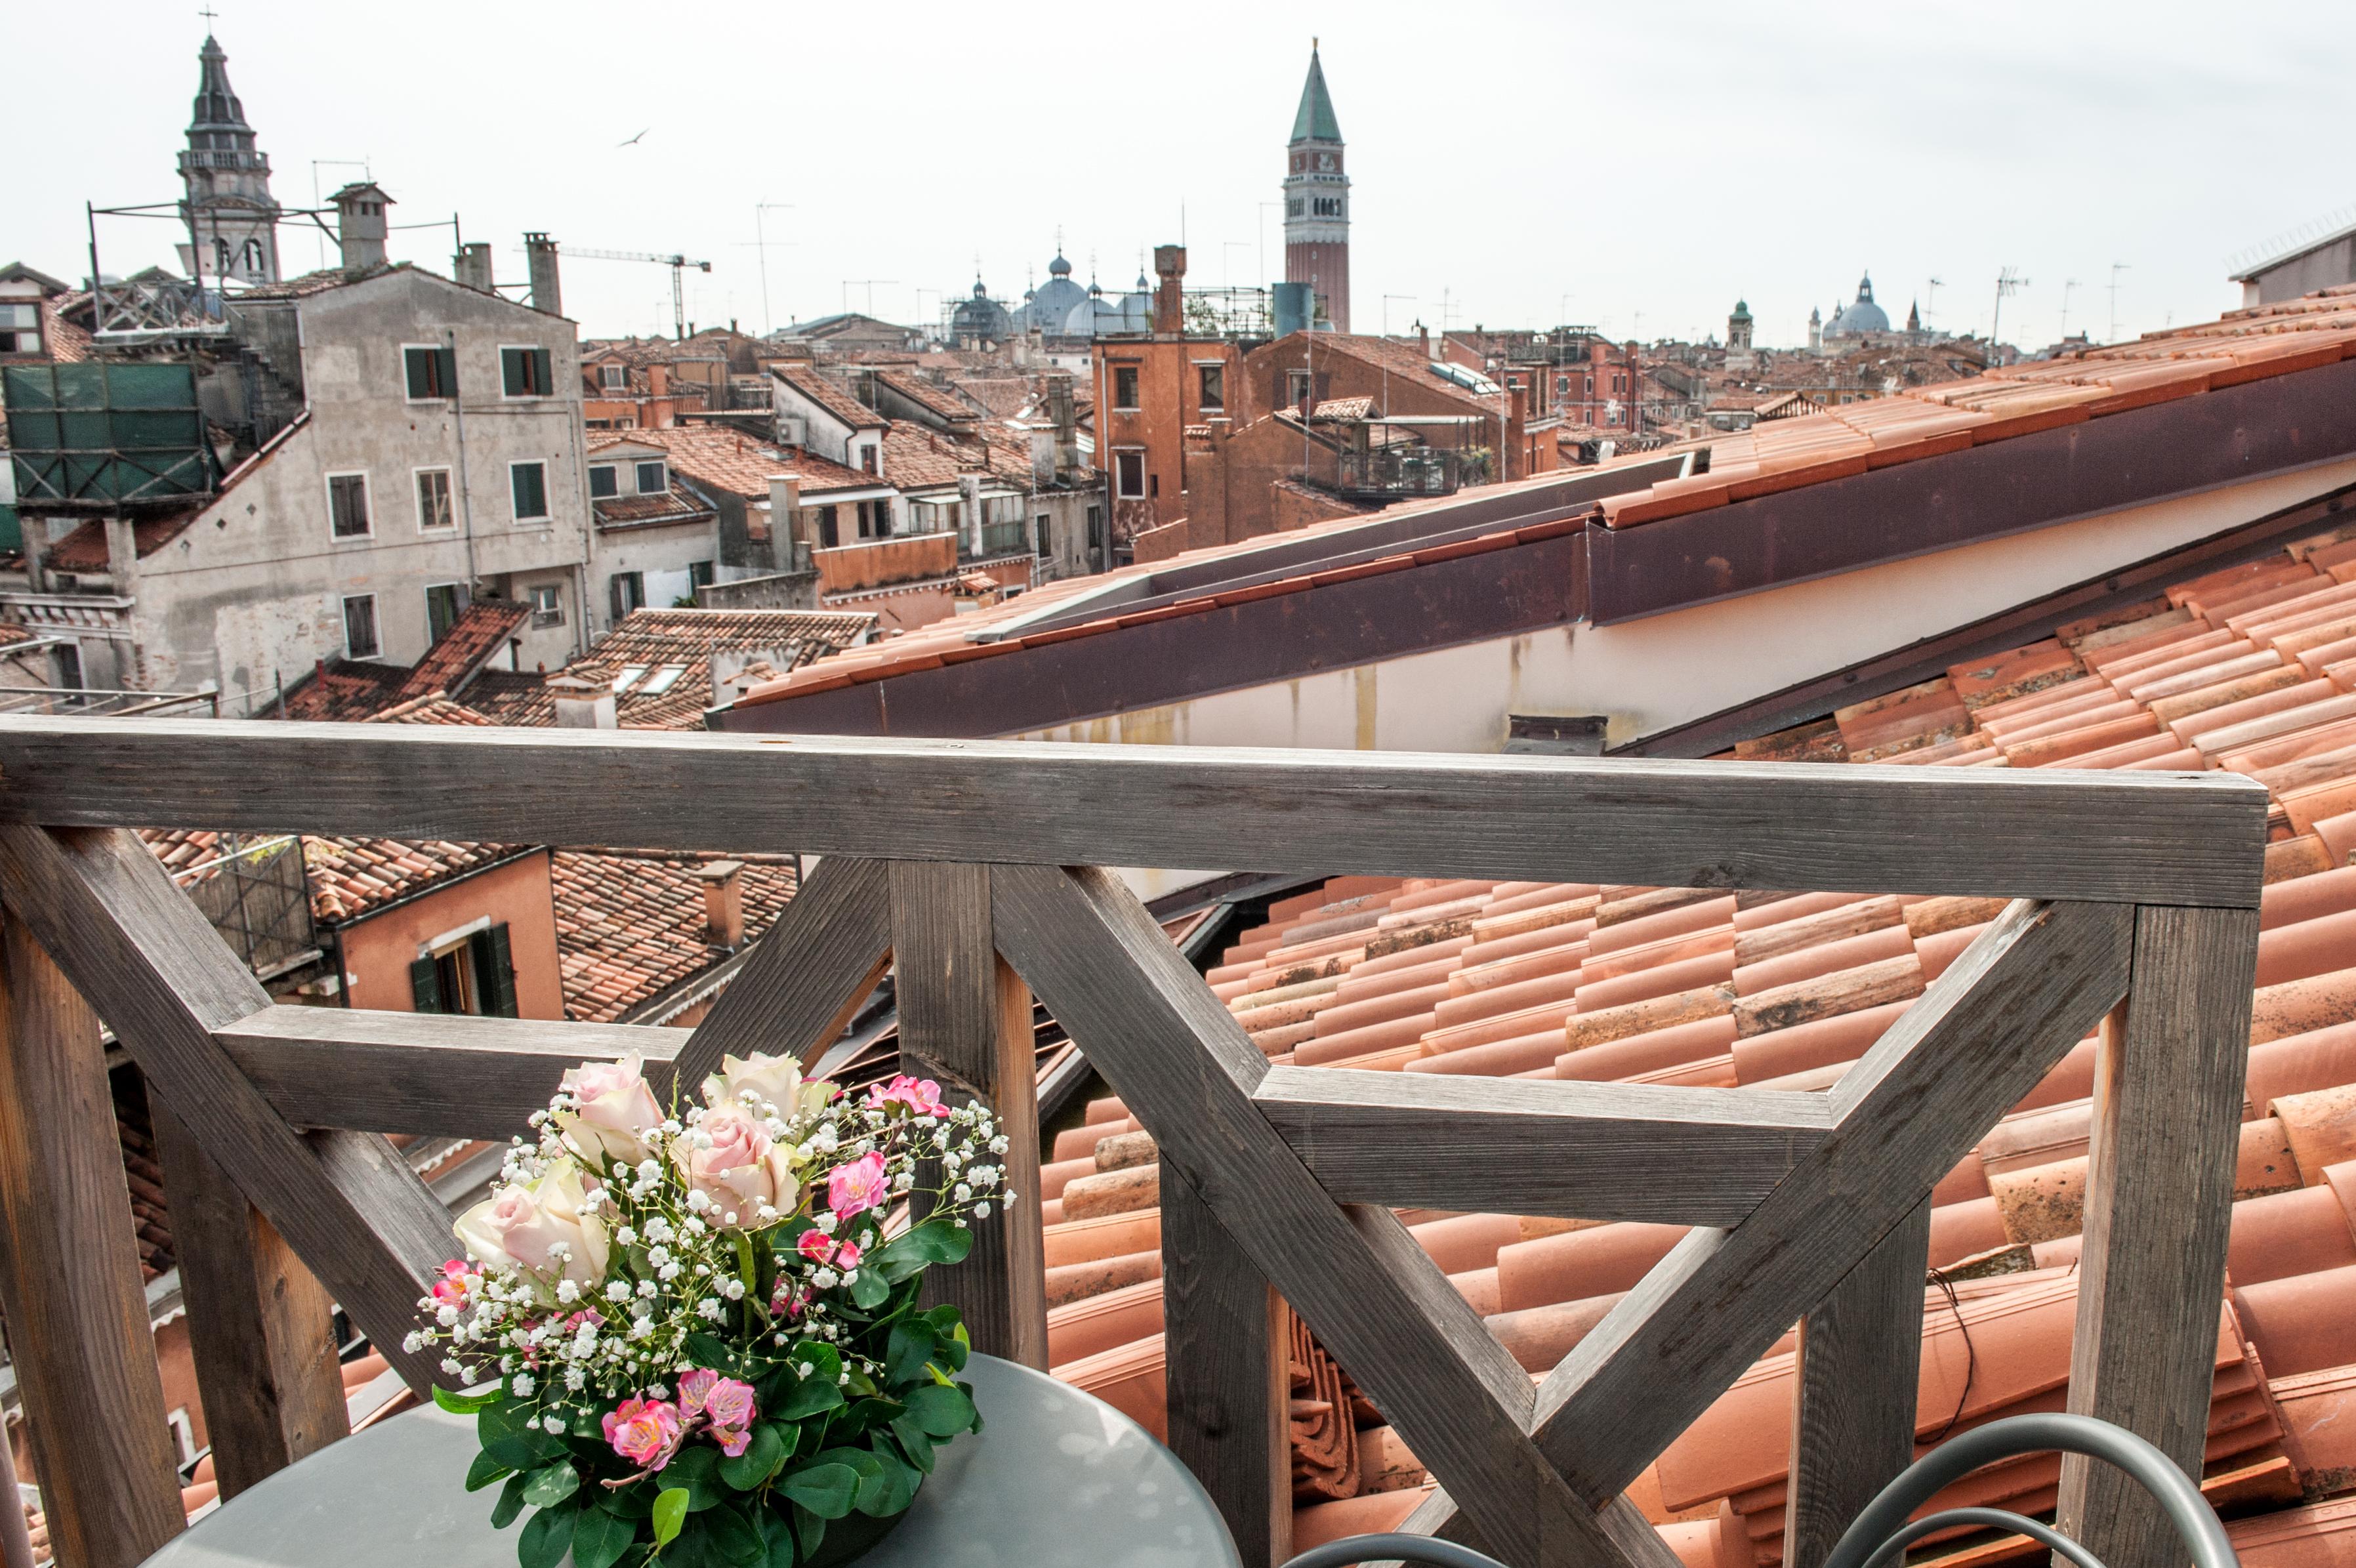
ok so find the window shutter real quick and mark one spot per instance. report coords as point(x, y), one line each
point(542, 382)
point(495, 968)
point(413, 362)
point(614, 586)
point(445, 372)
point(425, 986)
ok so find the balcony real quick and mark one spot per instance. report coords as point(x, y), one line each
point(879, 563)
point(2135, 913)
point(1003, 538)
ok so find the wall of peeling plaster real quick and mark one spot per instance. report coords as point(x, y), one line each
point(1663, 671)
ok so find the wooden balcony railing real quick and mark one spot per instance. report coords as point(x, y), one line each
point(978, 866)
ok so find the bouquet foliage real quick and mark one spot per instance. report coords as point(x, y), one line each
point(699, 1328)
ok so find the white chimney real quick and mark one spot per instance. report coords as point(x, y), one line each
point(582, 701)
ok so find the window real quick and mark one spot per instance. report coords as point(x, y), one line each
point(524, 372)
point(359, 627)
point(444, 601)
point(699, 574)
point(1299, 387)
point(1124, 387)
point(613, 378)
point(1213, 379)
point(1130, 483)
point(627, 678)
point(654, 479)
point(828, 534)
point(347, 506)
point(252, 258)
point(867, 460)
point(184, 1436)
point(529, 483)
point(20, 328)
point(474, 973)
point(434, 498)
point(878, 513)
point(1096, 528)
point(662, 680)
point(605, 479)
point(546, 606)
point(433, 372)
point(629, 593)
point(68, 666)
point(1041, 529)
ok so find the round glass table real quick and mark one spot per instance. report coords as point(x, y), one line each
point(1056, 1479)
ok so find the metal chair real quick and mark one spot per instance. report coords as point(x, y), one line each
point(1884, 1530)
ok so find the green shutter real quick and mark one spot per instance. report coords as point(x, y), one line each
point(494, 971)
point(445, 372)
point(543, 381)
point(419, 368)
point(511, 371)
point(425, 986)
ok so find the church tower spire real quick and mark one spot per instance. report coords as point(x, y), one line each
point(227, 205)
point(1317, 200)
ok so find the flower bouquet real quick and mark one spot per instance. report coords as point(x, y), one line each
point(699, 1328)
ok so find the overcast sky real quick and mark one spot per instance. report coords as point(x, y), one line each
point(1637, 166)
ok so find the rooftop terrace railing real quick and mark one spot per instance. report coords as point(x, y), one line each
point(977, 867)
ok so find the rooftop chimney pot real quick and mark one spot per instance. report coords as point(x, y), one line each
point(724, 902)
point(539, 255)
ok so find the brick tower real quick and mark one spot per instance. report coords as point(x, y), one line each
point(1317, 200)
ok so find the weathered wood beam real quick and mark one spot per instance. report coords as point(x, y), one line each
point(2034, 833)
point(77, 1331)
point(1992, 1026)
point(1860, 1359)
point(136, 947)
point(1371, 1295)
point(2160, 1192)
point(965, 1021)
point(1582, 1151)
point(1226, 1364)
point(815, 964)
point(260, 1328)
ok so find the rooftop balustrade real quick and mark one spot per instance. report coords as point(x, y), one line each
point(981, 869)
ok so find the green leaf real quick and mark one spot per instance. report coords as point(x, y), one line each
point(696, 1469)
point(466, 1404)
point(757, 1463)
point(809, 1529)
point(869, 1288)
point(510, 1436)
point(706, 1351)
point(671, 1512)
point(812, 1395)
point(941, 1411)
point(875, 1486)
point(914, 1441)
point(547, 1488)
point(546, 1539)
point(599, 1539)
point(510, 1503)
point(634, 1501)
point(484, 1471)
point(827, 1490)
point(900, 1478)
point(733, 1536)
point(934, 1242)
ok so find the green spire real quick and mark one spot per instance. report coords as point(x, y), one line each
point(1316, 122)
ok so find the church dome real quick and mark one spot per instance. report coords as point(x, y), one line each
point(981, 317)
point(1059, 268)
point(1861, 317)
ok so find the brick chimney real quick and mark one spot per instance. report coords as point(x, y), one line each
point(1169, 296)
point(582, 701)
point(540, 256)
point(1423, 338)
point(1516, 422)
point(724, 902)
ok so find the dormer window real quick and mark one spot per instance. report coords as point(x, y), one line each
point(613, 378)
point(654, 479)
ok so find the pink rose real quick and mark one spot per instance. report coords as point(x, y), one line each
point(546, 1229)
point(858, 1187)
point(921, 1096)
point(645, 1431)
point(741, 1170)
point(613, 1112)
point(815, 1245)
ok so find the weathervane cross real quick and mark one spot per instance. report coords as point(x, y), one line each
point(208, 13)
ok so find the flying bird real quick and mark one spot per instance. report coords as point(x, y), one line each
point(634, 140)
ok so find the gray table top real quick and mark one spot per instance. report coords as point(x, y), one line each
point(1057, 1479)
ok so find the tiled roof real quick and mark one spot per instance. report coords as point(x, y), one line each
point(918, 391)
point(2250, 668)
point(478, 634)
point(917, 457)
point(68, 340)
point(351, 876)
point(654, 640)
point(342, 690)
point(1781, 454)
point(630, 926)
point(650, 511)
point(83, 547)
point(814, 386)
point(729, 460)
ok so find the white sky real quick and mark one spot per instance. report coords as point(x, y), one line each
point(1632, 166)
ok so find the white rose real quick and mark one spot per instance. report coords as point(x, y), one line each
point(777, 1079)
point(739, 1166)
point(540, 1228)
point(616, 1111)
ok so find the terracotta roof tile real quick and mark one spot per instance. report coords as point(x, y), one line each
point(481, 630)
point(630, 926)
point(815, 386)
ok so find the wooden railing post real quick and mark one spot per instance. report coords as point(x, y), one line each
point(260, 1327)
point(1224, 1365)
point(2159, 1188)
point(965, 1020)
point(78, 1329)
point(1860, 1367)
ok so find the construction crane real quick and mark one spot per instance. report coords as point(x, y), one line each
point(677, 264)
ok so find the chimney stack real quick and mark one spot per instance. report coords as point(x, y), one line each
point(1168, 299)
point(472, 265)
point(539, 254)
point(1068, 426)
point(1423, 338)
point(582, 702)
point(361, 226)
point(786, 519)
point(724, 902)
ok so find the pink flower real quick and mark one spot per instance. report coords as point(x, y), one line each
point(740, 1170)
point(694, 1385)
point(645, 1431)
point(847, 1255)
point(456, 1282)
point(858, 1187)
point(730, 1404)
point(921, 1096)
point(614, 1112)
point(815, 1245)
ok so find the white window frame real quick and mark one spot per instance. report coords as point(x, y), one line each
point(418, 501)
point(554, 614)
point(430, 348)
point(639, 474)
point(505, 396)
point(465, 597)
point(1119, 493)
point(614, 377)
point(547, 498)
point(343, 610)
point(613, 468)
point(368, 500)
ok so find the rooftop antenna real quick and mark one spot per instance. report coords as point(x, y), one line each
point(2005, 284)
point(1930, 299)
point(2067, 284)
point(761, 241)
point(2117, 268)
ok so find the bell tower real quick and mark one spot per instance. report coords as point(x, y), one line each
point(227, 205)
point(1317, 200)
